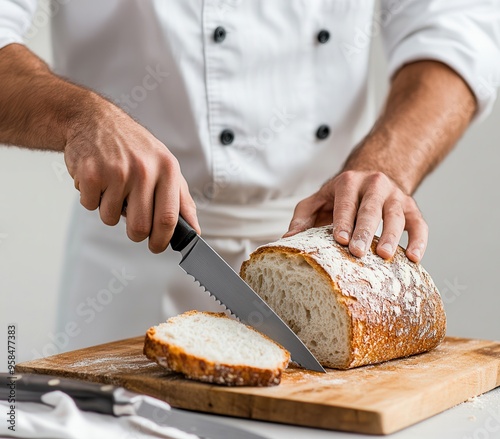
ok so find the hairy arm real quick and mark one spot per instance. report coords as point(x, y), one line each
point(114, 161)
point(428, 108)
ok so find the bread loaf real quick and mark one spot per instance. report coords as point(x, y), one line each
point(214, 348)
point(348, 311)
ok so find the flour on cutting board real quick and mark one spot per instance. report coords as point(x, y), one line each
point(114, 362)
point(313, 378)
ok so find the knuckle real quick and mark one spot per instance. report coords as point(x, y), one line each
point(394, 210)
point(346, 206)
point(156, 247)
point(299, 224)
point(410, 205)
point(347, 178)
point(376, 196)
point(378, 177)
point(88, 203)
point(416, 216)
point(362, 232)
point(370, 210)
point(139, 230)
point(117, 173)
point(90, 178)
point(168, 219)
point(420, 218)
point(170, 163)
point(85, 203)
point(377, 181)
point(418, 224)
point(424, 226)
point(141, 169)
point(109, 218)
point(110, 213)
point(389, 237)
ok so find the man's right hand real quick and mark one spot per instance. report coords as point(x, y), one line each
point(117, 165)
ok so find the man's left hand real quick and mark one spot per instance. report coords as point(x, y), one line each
point(356, 202)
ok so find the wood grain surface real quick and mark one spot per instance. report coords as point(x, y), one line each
point(377, 399)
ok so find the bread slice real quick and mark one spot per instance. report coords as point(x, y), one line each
point(214, 348)
point(348, 311)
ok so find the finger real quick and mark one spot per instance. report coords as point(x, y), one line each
point(304, 215)
point(367, 220)
point(90, 185)
point(345, 207)
point(111, 205)
point(165, 212)
point(90, 193)
point(139, 210)
point(418, 235)
point(394, 224)
point(188, 207)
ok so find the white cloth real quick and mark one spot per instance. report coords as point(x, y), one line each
point(270, 81)
point(60, 418)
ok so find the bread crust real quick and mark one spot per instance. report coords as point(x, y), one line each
point(176, 359)
point(382, 326)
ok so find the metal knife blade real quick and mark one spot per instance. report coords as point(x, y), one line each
point(117, 401)
point(219, 279)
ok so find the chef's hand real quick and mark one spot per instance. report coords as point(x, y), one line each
point(116, 163)
point(356, 202)
point(428, 108)
point(121, 168)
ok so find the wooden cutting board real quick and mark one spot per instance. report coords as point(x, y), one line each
point(376, 399)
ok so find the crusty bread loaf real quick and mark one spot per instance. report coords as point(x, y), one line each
point(214, 348)
point(348, 311)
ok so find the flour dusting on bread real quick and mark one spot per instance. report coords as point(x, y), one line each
point(348, 311)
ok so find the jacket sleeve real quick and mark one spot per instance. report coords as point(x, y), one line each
point(463, 34)
point(15, 20)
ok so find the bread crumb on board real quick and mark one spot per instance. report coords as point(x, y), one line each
point(476, 402)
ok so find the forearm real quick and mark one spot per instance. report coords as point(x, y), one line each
point(114, 161)
point(37, 108)
point(428, 108)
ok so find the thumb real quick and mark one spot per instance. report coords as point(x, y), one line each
point(304, 216)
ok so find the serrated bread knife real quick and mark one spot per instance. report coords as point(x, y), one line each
point(111, 400)
point(220, 280)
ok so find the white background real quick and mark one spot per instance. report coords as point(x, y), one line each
point(459, 201)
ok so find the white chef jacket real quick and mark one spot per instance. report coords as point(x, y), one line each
point(261, 101)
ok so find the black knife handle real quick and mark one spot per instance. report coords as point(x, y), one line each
point(183, 235)
point(30, 387)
